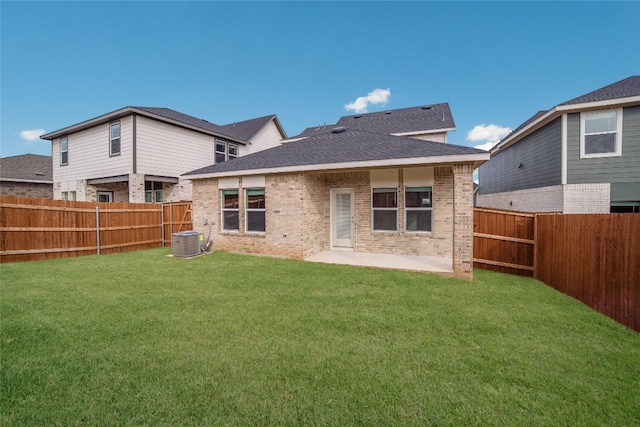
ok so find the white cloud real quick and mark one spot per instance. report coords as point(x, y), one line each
point(31, 134)
point(377, 96)
point(489, 133)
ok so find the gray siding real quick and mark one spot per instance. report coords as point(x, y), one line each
point(541, 156)
point(622, 169)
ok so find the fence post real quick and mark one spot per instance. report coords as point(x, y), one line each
point(535, 246)
point(98, 229)
point(162, 223)
point(170, 218)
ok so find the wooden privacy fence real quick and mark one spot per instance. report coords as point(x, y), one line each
point(594, 258)
point(33, 229)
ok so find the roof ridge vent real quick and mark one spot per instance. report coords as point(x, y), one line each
point(358, 116)
point(388, 112)
point(338, 129)
point(426, 107)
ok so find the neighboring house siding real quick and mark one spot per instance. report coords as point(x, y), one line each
point(541, 156)
point(89, 154)
point(620, 169)
point(436, 137)
point(167, 150)
point(268, 137)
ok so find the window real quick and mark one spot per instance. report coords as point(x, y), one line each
point(625, 207)
point(230, 210)
point(601, 134)
point(68, 195)
point(64, 151)
point(152, 192)
point(114, 139)
point(418, 202)
point(385, 209)
point(225, 151)
point(255, 210)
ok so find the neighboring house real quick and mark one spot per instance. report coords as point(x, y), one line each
point(355, 187)
point(137, 154)
point(581, 156)
point(27, 175)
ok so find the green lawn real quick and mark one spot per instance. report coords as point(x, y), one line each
point(145, 339)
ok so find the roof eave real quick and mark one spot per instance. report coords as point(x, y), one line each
point(123, 112)
point(559, 111)
point(423, 132)
point(476, 159)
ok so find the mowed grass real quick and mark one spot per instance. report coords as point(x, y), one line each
point(224, 339)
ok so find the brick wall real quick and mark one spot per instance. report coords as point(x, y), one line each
point(463, 221)
point(587, 198)
point(26, 189)
point(298, 217)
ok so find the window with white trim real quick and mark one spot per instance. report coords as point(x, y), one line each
point(601, 134)
point(255, 210)
point(64, 151)
point(418, 202)
point(69, 195)
point(230, 210)
point(114, 139)
point(384, 209)
point(225, 151)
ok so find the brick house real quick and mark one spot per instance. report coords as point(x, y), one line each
point(27, 175)
point(581, 156)
point(370, 183)
point(137, 154)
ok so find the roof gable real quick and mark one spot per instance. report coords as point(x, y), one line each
point(247, 129)
point(623, 89)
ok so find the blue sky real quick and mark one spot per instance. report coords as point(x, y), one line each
point(495, 63)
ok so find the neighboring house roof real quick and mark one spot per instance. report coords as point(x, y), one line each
point(342, 148)
point(177, 118)
point(245, 130)
point(401, 122)
point(621, 93)
point(27, 168)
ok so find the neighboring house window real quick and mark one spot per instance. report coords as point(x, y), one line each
point(255, 210)
point(114, 139)
point(225, 151)
point(384, 209)
point(69, 195)
point(230, 210)
point(601, 134)
point(418, 203)
point(153, 192)
point(64, 151)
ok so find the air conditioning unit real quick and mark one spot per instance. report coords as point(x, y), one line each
point(186, 243)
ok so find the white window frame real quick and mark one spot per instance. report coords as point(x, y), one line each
point(112, 139)
point(618, 151)
point(153, 193)
point(231, 150)
point(223, 209)
point(64, 153)
point(374, 209)
point(247, 210)
point(420, 209)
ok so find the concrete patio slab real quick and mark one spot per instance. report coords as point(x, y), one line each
point(398, 262)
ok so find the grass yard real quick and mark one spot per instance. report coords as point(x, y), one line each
point(144, 339)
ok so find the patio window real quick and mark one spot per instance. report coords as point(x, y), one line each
point(601, 134)
point(384, 209)
point(64, 151)
point(255, 210)
point(418, 202)
point(225, 151)
point(230, 210)
point(114, 139)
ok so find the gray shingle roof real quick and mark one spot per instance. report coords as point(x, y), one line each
point(349, 146)
point(185, 118)
point(29, 167)
point(245, 130)
point(426, 118)
point(622, 89)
